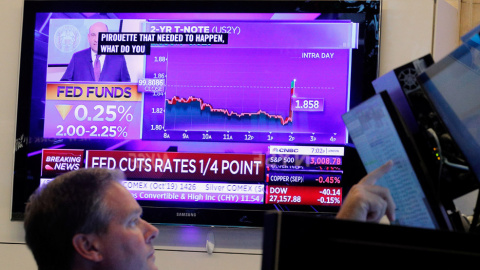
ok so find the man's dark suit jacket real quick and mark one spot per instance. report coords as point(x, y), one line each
point(80, 68)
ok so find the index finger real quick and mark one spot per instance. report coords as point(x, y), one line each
point(371, 178)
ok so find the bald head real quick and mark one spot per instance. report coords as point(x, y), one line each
point(93, 34)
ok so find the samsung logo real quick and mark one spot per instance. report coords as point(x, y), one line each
point(181, 214)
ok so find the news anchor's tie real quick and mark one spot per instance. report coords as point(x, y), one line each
point(96, 68)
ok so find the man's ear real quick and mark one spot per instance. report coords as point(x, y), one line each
point(87, 246)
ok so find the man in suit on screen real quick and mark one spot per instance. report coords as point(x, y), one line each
point(87, 65)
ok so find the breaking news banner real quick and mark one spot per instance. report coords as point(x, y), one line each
point(58, 161)
point(181, 166)
point(139, 43)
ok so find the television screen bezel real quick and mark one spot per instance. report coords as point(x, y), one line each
point(24, 185)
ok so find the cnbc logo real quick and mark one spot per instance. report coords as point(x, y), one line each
point(284, 150)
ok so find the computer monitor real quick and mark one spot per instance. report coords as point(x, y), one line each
point(379, 133)
point(441, 155)
point(402, 86)
point(299, 241)
point(452, 87)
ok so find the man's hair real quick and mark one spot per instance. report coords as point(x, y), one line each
point(96, 24)
point(70, 204)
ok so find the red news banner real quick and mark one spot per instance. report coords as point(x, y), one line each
point(181, 166)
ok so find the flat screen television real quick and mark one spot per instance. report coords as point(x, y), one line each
point(217, 111)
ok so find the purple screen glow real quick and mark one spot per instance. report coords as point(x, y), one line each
point(250, 120)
